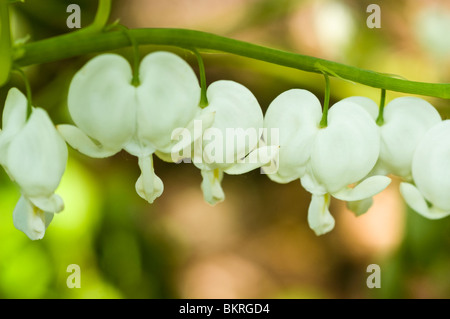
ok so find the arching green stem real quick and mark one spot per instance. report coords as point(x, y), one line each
point(100, 20)
point(5, 43)
point(73, 44)
point(326, 102)
point(136, 53)
point(380, 118)
point(102, 16)
point(203, 98)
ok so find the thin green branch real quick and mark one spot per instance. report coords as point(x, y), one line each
point(5, 43)
point(73, 44)
point(100, 20)
point(136, 53)
point(380, 118)
point(27, 90)
point(203, 98)
point(102, 16)
point(326, 103)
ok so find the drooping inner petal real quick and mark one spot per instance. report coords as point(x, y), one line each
point(30, 219)
point(149, 186)
point(211, 186)
point(319, 218)
point(52, 204)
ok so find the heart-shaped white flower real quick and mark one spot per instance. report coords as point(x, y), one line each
point(34, 155)
point(230, 145)
point(405, 122)
point(328, 160)
point(111, 114)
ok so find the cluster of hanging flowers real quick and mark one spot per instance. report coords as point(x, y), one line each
point(157, 110)
point(351, 157)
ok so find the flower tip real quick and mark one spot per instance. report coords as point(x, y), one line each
point(323, 230)
point(319, 218)
point(30, 220)
point(36, 235)
point(213, 201)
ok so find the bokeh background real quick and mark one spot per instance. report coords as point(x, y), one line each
point(256, 244)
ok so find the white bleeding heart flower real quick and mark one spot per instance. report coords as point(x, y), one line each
point(112, 114)
point(431, 174)
point(231, 144)
point(34, 155)
point(328, 160)
point(406, 120)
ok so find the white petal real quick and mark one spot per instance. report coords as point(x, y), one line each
point(148, 186)
point(37, 156)
point(431, 165)
point(291, 121)
point(238, 117)
point(52, 204)
point(14, 118)
point(78, 140)
point(406, 120)
point(367, 104)
point(30, 220)
point(437, 213)
point(15, 111)
point(211, 186)
point(417, 202)
point(414, 198)
point(257, 158)
point(319, 217)
point(310, 183)
point(367, 188)
point(347, 149)
point(168, 98)
point(102, 101)
point(167, 157)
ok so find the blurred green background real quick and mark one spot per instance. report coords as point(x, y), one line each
point(257, 243)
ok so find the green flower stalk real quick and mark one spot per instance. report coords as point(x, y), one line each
point(79, 43)
point(5, 43)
